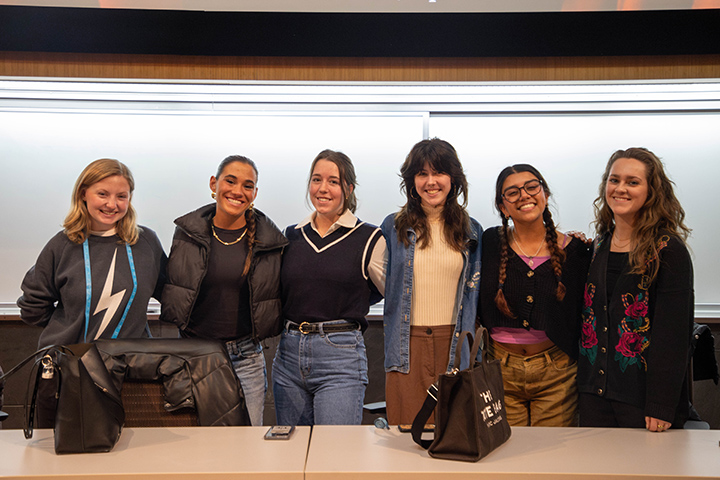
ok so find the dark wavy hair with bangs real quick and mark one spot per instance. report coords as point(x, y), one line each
point(441, 157)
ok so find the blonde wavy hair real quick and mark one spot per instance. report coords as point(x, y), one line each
point(661, 213)
point(77, 221)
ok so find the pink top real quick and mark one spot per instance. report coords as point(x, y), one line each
point(520, 336)
point(539, 260)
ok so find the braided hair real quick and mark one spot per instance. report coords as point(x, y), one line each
point(249, 213)
point(557, 253)
point(250, 235)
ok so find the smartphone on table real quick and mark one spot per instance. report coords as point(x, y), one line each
point(279, 432)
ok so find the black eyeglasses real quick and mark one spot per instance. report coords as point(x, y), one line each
point(531, 187)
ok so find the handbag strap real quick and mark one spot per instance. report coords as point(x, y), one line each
point(482, 340)
point(418, 425)
point(31, 399)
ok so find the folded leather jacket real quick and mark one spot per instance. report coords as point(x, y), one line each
point(195, 373)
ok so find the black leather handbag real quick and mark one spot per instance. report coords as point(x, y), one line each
point(470, 420)
point(89, 415)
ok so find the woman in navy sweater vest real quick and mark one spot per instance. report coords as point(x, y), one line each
point(332, 271)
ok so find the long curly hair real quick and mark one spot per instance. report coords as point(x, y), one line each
point(77, 221)
point(557, 253)
point(441, 157)
point(661, 213)
point(250, 212)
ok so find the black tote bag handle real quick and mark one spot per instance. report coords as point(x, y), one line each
point(418, 425)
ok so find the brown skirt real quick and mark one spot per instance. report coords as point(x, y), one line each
point(429, 354)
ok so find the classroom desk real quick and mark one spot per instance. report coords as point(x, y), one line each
point(159, 454)
point(531, 453)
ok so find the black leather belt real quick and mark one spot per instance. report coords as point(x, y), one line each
point(307, 328)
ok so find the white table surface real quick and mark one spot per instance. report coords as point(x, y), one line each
point(160, 453)
point(537, 453)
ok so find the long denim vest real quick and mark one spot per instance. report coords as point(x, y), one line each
point(398, 296)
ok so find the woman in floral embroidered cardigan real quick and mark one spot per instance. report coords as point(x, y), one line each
point(639, 301)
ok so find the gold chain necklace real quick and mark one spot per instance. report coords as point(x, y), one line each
point(616, 242)
point(530, 257)
point(212, 227)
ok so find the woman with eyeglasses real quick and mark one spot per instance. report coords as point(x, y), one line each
point(639, 301)
point(531, 298)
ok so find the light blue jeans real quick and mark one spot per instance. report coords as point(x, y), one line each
point(320, 379)
point(249, 364)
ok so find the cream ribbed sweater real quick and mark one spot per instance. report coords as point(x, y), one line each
point(436, 274)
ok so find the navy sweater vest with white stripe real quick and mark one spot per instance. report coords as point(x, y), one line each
point(326, 278)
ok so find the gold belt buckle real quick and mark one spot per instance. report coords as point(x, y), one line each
point(302, 326)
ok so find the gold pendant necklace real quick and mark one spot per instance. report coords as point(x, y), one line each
point(212, 227)
point(530, 257)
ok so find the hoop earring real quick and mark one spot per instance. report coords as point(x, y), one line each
point(250, 208)
point(412, 189)
point(213, 195)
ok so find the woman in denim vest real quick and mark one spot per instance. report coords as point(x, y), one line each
point(433, 272)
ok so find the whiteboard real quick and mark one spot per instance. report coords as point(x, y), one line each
point(173, 135)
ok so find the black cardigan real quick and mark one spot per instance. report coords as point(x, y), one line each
point(634, 345)
point(531, 293)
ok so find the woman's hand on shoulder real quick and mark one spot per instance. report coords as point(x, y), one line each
point(580, 236)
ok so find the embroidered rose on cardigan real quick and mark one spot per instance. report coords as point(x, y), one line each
point(588, 297)
point(588, 337)
point(637, 309)
point(632, 330)
point(630, 344)
point(629, 350)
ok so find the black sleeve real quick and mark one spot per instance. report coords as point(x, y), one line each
point(671, 327)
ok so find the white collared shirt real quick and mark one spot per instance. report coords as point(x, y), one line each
point(347, 220)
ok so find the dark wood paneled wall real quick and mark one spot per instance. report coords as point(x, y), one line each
point(358, 68)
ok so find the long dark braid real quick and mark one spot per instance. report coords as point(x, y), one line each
point(557, 253)
point(249, 213)
point(250, 223)
point(500, 299)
